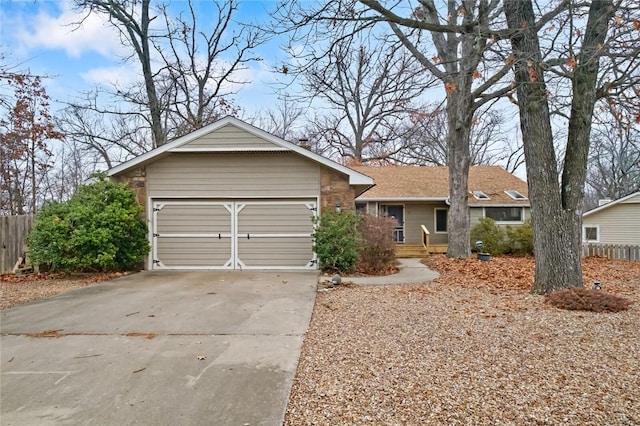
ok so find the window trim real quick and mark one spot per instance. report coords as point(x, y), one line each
point(584, 233)
point(435, 220)
point(506, 222)
point(521, 196)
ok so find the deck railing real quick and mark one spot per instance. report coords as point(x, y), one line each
point(425, 237)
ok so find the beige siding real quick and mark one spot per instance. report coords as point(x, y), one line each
point(416, 214)
point(233, 175)
point(619, 224)
point(633, 200)
point(229, 137)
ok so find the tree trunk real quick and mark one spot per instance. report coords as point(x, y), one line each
point(556, 212)
point(159, 137)
point(459, 120)
point(557, 262)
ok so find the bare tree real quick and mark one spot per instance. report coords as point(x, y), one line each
point(465, 55)
point(285, 119)
point(202, 60)
point(426, 140)
point(557, 205)
point(614, 159)
point(25, 135)
point(189, 67)
point(368, 88)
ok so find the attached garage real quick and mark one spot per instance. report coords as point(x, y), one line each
point(247, 234)
point(231, 196)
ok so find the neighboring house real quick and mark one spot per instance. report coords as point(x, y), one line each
point(231, 196)
point(616, 222)
point(417, 197)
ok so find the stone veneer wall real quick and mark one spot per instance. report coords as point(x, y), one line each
point(137, 180)
point(334, 188)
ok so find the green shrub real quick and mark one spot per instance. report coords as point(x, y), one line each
point(337, 241)
point(99, 228)
point(377, 249)
point(520, 239)
point(492, 236)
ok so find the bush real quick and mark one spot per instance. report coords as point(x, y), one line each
point(377, 249)
point(520, 239)
point(581, 299)
point(337, 241)
point(492, 236)
point(99, 228)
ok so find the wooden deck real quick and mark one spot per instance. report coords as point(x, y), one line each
point(417, 250)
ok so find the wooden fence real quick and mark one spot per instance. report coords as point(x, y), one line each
point(13, 236)
point(612, 251)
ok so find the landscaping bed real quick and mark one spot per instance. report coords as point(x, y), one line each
point(472, 347)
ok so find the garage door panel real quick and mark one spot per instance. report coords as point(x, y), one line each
point(184, 219)
point(275, 219)
point(275, 251)
point(193, 252)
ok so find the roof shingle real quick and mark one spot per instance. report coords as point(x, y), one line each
point(431, 183)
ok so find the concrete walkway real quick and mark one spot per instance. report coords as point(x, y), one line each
point(412, 271)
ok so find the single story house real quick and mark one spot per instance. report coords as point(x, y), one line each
point(417, 197)
point(232, 196)
point(614, 222)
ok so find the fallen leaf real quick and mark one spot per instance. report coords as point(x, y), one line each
point(201, 357)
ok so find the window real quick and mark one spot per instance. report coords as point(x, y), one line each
point(504, 214)
point(590, 233)
point(479, 195)
point(515, 195)
point(441, 220)
point(361, 208)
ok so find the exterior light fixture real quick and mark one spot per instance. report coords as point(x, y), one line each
point(597, 285)
point(338, 207)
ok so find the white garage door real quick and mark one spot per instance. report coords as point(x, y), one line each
point(233, 234)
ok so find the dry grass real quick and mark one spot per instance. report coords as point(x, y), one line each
point(469, 349)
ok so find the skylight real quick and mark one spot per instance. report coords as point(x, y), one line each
point(479, 195)
point(515, 195)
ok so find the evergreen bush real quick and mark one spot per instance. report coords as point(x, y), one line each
point(337, 241)
point(492, 236)
point(99, 228)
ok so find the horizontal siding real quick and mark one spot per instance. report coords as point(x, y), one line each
point(233, 175)
point(417, 214)
point(265, 252)
point(619, 224)
point(193, 252)
point(275, 219)
point(183, 219)
point(229, 136)
point(633, 200)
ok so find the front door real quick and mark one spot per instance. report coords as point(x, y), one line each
point(395, 211)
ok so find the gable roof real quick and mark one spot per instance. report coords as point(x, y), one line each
point(613, 203)
point(431, 183)
point(274, 143)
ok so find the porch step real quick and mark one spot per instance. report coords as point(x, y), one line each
point(410, 250)
point(417, 250)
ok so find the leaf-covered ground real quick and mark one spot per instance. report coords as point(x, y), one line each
point(471, 348)
point(18, 290)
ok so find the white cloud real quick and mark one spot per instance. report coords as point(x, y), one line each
point(120, 76)
point(49, 29)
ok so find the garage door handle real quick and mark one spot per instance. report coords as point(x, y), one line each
point(219, 236)
point(248, 237)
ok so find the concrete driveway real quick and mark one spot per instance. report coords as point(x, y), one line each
point(158, 348)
